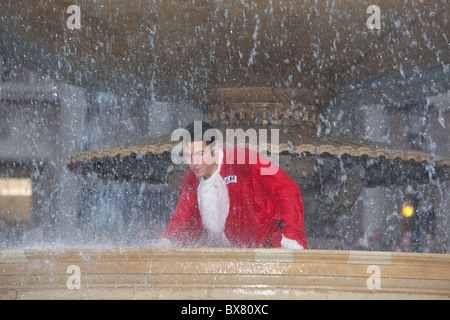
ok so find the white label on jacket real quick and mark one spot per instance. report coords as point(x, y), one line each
point(230, 179)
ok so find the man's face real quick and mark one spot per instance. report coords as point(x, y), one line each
point(202, 160)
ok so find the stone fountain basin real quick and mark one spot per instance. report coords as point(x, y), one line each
point(200, 273)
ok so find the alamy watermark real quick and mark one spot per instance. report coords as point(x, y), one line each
point(374, 20)
point(74, 280)
point(257, 142)
point(74, 20)
point(374, 280)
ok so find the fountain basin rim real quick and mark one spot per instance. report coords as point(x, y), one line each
point(199, 273)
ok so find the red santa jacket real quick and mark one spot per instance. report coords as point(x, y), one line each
point(262, 207)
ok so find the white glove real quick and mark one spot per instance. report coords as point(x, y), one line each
point(290, 244)
point(164, 243)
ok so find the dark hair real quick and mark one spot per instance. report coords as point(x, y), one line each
point(205, 127)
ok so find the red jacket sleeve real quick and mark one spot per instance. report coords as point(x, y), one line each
point(287, 204)
point(290, 204)
point(185, 227)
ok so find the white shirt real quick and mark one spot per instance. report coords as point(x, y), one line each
point(214, 205)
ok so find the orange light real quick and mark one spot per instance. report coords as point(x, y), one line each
point(407, 211)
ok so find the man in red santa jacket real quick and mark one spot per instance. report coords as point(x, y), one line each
point(226, 201)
